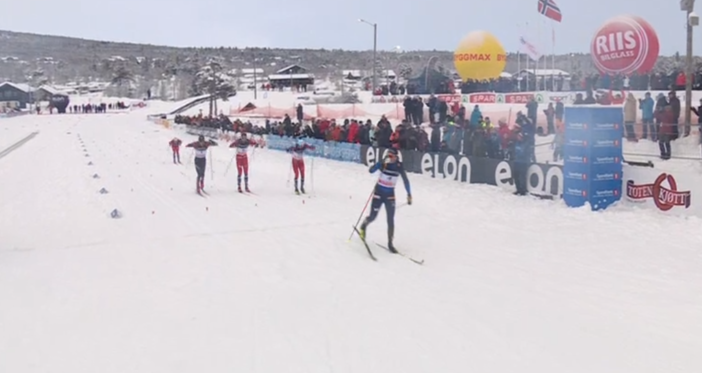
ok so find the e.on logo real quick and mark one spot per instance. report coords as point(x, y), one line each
point(625, 45)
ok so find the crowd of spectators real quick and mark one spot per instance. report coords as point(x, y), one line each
point(658, 81)
point(454, 129)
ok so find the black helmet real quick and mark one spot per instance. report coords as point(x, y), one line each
point(392, 154)
point(201, 138)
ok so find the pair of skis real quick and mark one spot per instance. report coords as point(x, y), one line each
point(370, 253)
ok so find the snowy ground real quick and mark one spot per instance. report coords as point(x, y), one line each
point(269, 283)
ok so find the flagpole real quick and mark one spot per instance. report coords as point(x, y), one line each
point(553, 56)
point(536, 65)
point(519, 69)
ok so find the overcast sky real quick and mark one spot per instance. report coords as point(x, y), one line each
point(334, 24)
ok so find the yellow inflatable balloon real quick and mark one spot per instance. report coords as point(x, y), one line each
point(479, 56)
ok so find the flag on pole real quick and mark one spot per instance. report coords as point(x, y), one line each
point(550, 9)
point(530, 49)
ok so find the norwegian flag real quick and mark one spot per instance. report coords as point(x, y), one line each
point(550, 9)
point(530, 49)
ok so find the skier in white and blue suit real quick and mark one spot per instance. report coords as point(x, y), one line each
point(390, 170)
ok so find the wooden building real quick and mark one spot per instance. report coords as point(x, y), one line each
point(14, 95)
point(293, 76)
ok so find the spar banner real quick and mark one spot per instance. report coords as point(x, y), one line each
point(543, 179)
point(592, 156)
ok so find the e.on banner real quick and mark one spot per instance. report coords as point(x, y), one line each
point(662, 191)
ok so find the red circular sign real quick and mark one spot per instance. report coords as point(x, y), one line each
point(625, 45)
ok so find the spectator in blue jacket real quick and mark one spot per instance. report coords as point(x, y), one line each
point(522, 152)
point(476, 116)
point(528, 131)
point(647, 105)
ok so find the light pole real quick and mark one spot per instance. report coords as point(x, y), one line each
point(691, 20)
point(375, 48)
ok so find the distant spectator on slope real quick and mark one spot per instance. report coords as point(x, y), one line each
point(667, 131)
point(674, 103)
point(521, 152)
point(646, 105)
point(550, 113)
point(532, 109)
point(476, 116)
point(630, 116)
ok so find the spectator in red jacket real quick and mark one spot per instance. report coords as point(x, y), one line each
point(667, 131)
point(353, 132)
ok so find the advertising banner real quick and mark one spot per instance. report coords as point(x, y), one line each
point(205, 131)
point(592, 153)
point(543, 179)
point(659, 190)
point(324, 149)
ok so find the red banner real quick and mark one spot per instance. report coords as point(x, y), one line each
point(483, 98)
point(518, 98)
point(451, 99)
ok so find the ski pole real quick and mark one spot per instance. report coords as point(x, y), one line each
point(211, 166)
point(312, 175)
point(229, 165)
point(370, 197)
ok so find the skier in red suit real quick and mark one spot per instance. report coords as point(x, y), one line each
point(242, 159)
point(298, 163)
point(175, 146)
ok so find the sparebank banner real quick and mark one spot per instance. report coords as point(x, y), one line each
point(325, 149)
point(543, 179)
point(204, 131)
point(592, 155)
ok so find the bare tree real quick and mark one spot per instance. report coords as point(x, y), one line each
point(211, 80)
point(121, 77)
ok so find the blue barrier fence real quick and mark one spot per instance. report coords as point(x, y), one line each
point(338, 151)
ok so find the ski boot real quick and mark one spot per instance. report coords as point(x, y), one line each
point(391, 247)
point(362, 231)
point(302, 186)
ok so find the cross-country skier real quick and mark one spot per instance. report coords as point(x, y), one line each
point(390, 170)
point(175, 147)
point(242, 159)
point(298, 163)
point(200, 146)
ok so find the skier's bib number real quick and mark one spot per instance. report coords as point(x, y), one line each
point(200, 153)
point(297, 156)
point(387, 180)
point(241, 149)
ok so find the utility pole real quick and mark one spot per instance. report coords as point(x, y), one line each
point(375, 56)
point(375, 50)
point(255, 83)
point(690, 20)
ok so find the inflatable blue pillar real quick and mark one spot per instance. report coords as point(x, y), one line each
point(592, 156)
